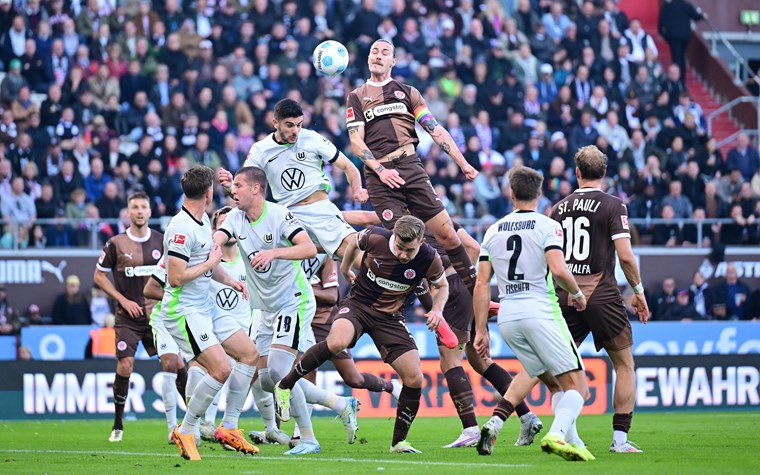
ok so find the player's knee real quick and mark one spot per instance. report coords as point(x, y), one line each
point(251, 357)
point(337, 342)
point(125, 366)
point(169, 365)
point(220, 372)
point(266, 382)
point(413, 380)
point(448, 363)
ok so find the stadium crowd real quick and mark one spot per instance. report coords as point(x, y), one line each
point(101, 97)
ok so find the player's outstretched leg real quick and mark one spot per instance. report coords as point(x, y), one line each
point(460, 391)
point(443, 229)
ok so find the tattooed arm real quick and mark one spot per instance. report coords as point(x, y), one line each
point(442, 137)
point(389, 177)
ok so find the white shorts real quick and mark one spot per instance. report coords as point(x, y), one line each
point(324, 223)
point(226, 325)
point(194, 331)
point(162, 340)
point(290, 327)
point(542, 345)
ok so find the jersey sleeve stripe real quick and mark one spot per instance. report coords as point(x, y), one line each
point(229, 236)
point(621, 235)
point(330, 284)
point(484, 258)
point(549, 248)
point(178, 255)
point(354, 124)
point(294, 233)
point(335, 157)
point(439, 279)
point(102, 269)
point(157, 279)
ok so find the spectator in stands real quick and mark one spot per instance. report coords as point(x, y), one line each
point(555, 21)
point(683, 309)
point(76, 211)
point(71, 307)
point(730, 184)
point(95, 182)
point(616, 135)
point(10, 323)
point(681, 205)
point(639, 41)
point(526, 17)
point(673, 84)
point(701, 295)
point(12, 82)
point(691, 236)
point(33, 316)
point(730, 295)
point(675, 27)
point(663, 299)
point(668, 235)
point(109, 204)
point(743, 157)
point(18, 206)
point(583, 133)
point(535, 155)
point(715, 206)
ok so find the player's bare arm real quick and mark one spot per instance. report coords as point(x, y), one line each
point(631, 271)
point(301, 249)
point(361, 218)
point(443, 139)
point(440, 291)
point(470, 244)
point(353, 176)
point(153, 289)
point(389, 177)
point(101, 280)
point(327, 295)
point(178, 273)
point(352, 251)
point(555, 259)
point(225, 179)
point(481, 298)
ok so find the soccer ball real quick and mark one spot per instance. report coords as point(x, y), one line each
point(330, 58)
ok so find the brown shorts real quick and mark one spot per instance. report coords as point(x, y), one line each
point(391, 336)
point(417, 197)
point(129, 333)
point(608, 324)
point(458, 311)
point(321, 330)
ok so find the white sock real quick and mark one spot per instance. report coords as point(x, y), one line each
point(202, 396)
point(316, 395)
point(296, 432)
point(169, 397)
point(240, 384)
point(497, 422)
point(194, 376)
point(572, 433)
point(619, 437)
point(213, 408)
point(301, 414)
point(264, 400)
point(566, 411)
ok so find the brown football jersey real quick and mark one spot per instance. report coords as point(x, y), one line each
point(132, 262)
point(388, 111)
point(592, 220)
point(384, 282)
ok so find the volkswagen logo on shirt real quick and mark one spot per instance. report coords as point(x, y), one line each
point(292, 179)
point(227, 299)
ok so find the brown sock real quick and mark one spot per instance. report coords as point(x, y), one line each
point(460, 391)
point(622, 422)
point(376, 384)
point(408, 405)
point(503, 410)
point(181, 381)
point(500, 380)
point(120, 391)
point(463, 266)
point(311, 360)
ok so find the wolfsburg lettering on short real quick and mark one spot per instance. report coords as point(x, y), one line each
point(516, 288)
point(517, 225)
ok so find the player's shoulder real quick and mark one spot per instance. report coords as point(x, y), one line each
point(278, 212)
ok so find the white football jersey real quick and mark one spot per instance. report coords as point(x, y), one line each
point(190, 240)
point(294, 171)
point(228, 300)
point(159, 274)
point(282, 280)
point(516, 245)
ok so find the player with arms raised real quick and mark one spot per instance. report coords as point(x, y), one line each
point(524, 250)
point(595, 226)
point(131, 257)
point(292, 159)
point(380, 117)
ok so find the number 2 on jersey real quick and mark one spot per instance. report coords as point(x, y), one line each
point(577, 238)
point(514, 243)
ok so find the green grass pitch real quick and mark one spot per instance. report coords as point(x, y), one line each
point(674, 443)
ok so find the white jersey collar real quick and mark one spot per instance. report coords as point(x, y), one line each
point(138, 239)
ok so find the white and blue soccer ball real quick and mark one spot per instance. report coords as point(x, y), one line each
point(330, 58)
